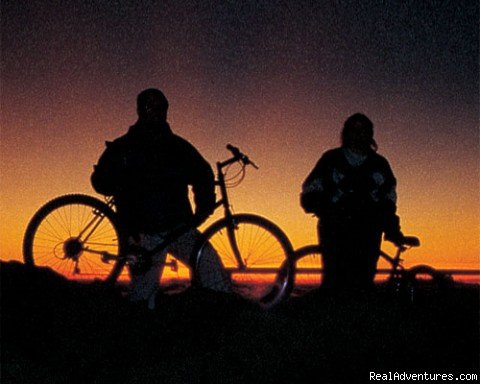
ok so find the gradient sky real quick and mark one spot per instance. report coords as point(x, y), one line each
point(276, 78)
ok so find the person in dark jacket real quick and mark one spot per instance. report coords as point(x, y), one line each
point(148, 171)
point(352, 192)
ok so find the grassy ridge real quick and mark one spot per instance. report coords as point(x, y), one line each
point(56, 331)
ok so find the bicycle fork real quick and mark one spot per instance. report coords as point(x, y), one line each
point(231, 228)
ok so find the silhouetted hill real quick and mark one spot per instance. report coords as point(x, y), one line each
point(57, 331)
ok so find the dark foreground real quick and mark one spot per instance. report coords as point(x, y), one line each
point(54, 331)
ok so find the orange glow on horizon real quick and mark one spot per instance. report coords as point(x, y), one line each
point(440, 207)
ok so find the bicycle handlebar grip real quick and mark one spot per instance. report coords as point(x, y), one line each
point(411, 241)
point(242, 157)
point(235, 151)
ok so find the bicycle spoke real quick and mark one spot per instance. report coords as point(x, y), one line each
point(261, 251)
point(54, 230)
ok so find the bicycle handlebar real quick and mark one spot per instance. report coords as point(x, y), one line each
point(411, 241)
point(241, 156)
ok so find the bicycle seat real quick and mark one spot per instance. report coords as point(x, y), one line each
point(411, 241)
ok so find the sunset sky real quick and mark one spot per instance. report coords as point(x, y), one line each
point(275, 78)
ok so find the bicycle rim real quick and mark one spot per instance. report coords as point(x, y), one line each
point(263, 249)
point(77, 237)
point(308, 269)
point(425, 283)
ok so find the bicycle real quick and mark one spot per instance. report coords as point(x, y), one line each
point(411, 282)
point(79, 237)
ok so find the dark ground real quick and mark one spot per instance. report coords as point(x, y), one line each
point(55, 331)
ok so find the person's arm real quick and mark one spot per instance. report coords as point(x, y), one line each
point(107, 173)
point(202, 180)
point(313, 189)
point(391, 222)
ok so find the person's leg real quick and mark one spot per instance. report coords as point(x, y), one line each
point(372, 254)
point(365, 256)
point(346, 256)
point(350, 252)
point(334, 261)
point(210, 273)
point(144, 286)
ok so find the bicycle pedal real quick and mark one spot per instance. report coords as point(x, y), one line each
point(107, 257)
point(173, 265)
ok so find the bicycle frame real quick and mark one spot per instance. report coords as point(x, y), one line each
point(73, 247)
point(222, 202)
point(395, 262)
point(235, 248)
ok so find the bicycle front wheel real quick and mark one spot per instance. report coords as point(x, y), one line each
point(252, 251)
point(77, 236)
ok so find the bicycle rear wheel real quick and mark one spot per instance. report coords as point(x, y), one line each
point(78, 237)
point(252, 251)
point(308, 269)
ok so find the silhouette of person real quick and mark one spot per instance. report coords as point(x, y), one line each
point(352, 191)
point(148, 171)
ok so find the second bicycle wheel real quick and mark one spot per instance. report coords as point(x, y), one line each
point(76, 236)
point(251, 250)
point(425, 283)
point(308, 269)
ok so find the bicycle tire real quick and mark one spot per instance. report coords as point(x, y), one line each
point(308, 269)
point(264, 248)
point(52, 239)
point(424, 282)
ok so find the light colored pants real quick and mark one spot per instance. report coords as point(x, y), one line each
point(210, 275)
